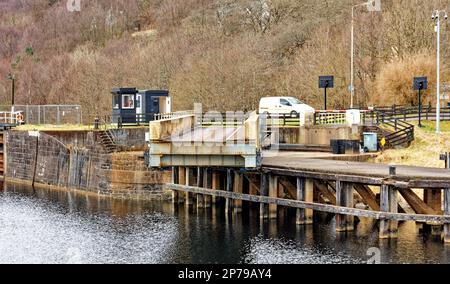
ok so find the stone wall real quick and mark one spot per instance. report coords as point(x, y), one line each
point(76, 160)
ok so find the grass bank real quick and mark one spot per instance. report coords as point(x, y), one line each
point(424, 151)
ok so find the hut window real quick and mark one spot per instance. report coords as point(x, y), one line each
point(128, 101)
point(116, 101)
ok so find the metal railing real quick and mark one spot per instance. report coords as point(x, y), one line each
point(49, 114)
point(10, 118)
point(162, 116)
point(330, 118)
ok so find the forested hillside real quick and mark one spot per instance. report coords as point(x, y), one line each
point(223, 53)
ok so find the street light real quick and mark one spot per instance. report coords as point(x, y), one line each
point(372, 5)
point(436, 16)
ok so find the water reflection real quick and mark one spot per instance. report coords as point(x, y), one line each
point(48, 226)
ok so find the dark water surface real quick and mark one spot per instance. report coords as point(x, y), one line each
point(48, 226)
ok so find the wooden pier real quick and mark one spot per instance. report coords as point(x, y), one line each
point(2, 159)
point(207, 172)
point(326, 186)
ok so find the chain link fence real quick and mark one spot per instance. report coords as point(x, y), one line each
point(49, 114)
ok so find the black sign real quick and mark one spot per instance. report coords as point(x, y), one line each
point(326, 82)
point(420, 83)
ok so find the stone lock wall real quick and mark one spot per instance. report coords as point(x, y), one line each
point(77, 160)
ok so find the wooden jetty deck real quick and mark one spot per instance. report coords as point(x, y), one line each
point(368, 173)
point(306, 181)
point(324, 185)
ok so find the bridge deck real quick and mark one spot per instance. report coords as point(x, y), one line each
point(406, 176)
point(212, 134)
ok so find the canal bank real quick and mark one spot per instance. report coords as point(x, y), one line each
point(80, 160)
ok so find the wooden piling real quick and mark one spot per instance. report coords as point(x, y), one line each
point(273, 192)
point(238, 187)
point(264, 191)
point(388, 203)
point(181, 180)
point(215, 184)
point(344, 198)
point(305, 192)
point(433, 198)
point(447, 212)
point(175, 180)
point(229, 188)
point(200, 197)
point(189, 182)
point(207, 183)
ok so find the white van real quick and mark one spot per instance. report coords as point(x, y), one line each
point(274, 106)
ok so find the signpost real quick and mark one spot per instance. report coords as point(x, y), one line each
point(326, 82)
point(420, 83)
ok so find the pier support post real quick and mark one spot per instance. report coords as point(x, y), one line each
point(264, 191)
point(238, 187)
point(182, 181)
point(175, 180)
point(433, 198)
point(447, 212)
point(215, 184)
point(273, 192)
point(305, 192)
point(200, 197)
point(388, 203)
point(207, 183)
point(189, 182)
point(229, 188)
point(344, 198)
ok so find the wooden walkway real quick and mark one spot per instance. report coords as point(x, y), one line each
point(318, 184)
point(368, 173)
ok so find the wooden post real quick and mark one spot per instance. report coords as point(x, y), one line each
point(215, 184)
point(238, 187)
point(433, 198)
point(273, 192)
point(175, 180)
point(200, 197)
point(447, 212)
point(264, 191)
point(207, 183)
point(344, 198)
point(305, 192)
point(388, 203)
point(229, 187)
point(189, 181)
point(181, 180)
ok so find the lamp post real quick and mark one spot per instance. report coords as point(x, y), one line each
point(372, 5)
point(437, 17)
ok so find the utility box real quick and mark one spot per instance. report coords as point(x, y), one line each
point(370, 141)
point(353, 116)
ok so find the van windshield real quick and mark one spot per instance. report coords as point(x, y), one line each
point(295, 101)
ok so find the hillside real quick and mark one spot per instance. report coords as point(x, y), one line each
point(223, 53)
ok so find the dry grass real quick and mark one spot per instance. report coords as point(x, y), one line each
point(424, 151)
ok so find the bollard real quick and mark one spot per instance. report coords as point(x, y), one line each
point(392, 170)
point(96, 123)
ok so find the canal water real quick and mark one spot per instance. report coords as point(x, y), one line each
point(48, 226)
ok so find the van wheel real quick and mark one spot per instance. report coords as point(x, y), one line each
point(294, 114)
